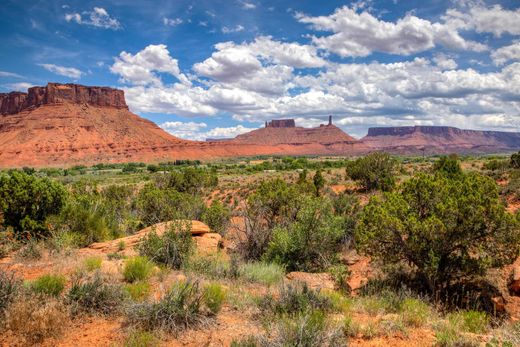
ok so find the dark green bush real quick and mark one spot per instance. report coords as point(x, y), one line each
point(374, 171)
point(515, 160)
point(173, 248)
point(449, 230)
point(26, 201)
point(448, 165)
point(217, 217)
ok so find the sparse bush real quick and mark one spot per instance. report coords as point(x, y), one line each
point(350, 327)
point(49, 285)
point(173, 248)
point(92, 263)
point(213, 267)
point(312, 242)
point(307, 329)
point(138, 291)
point(137, 269)
point(374, 171)
point(10, 287)
point(265, 273)
point(35, 319)
point(515, 160)
point(30, 251)
point(294, 299)
point(475, 322)
point(94, 294)
point(139, 338)
point(450, 230)
point(415, 313)
point(180, 308)
point(214, 296)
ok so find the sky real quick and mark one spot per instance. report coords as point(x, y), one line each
point(215, 69)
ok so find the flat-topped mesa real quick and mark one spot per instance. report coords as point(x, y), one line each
point(56, 93)
point(406, 130)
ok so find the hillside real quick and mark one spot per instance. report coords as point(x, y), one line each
point(439, 139)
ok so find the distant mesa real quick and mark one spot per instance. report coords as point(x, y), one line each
point(55, 93)
point(281, 123)
point(222, 139)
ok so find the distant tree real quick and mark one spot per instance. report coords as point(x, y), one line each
point(374, 171)
point(448, 165)
point(448, 230)
point(515, 160)
point(302, 176)
point(217, 217)
point(319, 182)
point(26, 201)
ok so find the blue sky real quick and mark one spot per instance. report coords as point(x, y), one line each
point(218, 68)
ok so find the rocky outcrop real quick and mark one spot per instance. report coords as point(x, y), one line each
point(13, 102)
point(281, 123)
point(55, 93)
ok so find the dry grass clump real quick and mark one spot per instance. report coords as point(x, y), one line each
point(35, 319)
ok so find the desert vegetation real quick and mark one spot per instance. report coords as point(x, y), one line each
point(302, 252)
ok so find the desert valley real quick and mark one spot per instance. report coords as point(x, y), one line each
point(260, 173)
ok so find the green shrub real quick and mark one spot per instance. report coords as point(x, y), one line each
point(180, 308)
point(217, 217)
point(141, 339)
point(515, 160)
point(10, 286)
point(214, 296)
point(350, 327)
point(212, 267)
point(415, 313)
point(26, 201)
point(173, 248)
point(32, 250)
point(415, 223)
point(448, 165)
point(374, 171)
point(249, 341)
point(475, 322)
point(49, 285)
point(92, 263)
point(94, 294)
point(312, 242)
point(292, 299)
point(265, 273)
point(138, 291)
point(137, 269)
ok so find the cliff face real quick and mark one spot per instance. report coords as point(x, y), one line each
point(55, 93)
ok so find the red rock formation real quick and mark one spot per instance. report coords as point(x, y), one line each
point(439, 139)
point(12, 102)
point(280, 123)
point(55, 93)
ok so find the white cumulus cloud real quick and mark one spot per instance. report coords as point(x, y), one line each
point(98, 17)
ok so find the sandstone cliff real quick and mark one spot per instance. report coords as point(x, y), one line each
point(55, 93)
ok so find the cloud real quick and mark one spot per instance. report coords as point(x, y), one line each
point(172, 21)
point(360, 34)
point(505, 54)
point(70, 72)
point(196, 131)
point(142, 67)
point(98, 18)
point(483, 19)
point(20, 86)
point(247, 5)
point(236, 29)
point(10, 74)
point(444, 62)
